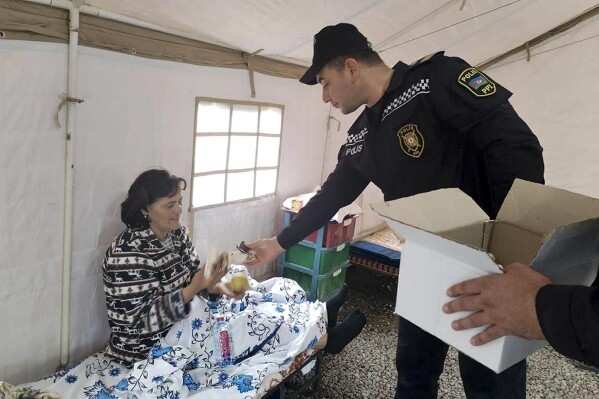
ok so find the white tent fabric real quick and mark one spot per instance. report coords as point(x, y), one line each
point(399, 29)
point(138, 113)
point(124, 135)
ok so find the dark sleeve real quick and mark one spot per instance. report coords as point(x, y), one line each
point(340, 189)
point(497, 140)
point(569, 318)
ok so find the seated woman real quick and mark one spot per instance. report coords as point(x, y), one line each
point(162, 305)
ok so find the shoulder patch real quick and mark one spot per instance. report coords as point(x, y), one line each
point(426, 59)
point(477, 82)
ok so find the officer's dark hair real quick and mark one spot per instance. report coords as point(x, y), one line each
point(364, 57)
point(147, 188)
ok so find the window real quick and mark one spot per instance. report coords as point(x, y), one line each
point(236, 151)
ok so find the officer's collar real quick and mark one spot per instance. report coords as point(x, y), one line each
point(399, 71)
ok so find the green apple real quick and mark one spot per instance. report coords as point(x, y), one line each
point(239, 283)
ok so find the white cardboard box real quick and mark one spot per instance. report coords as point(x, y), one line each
point(450, 239)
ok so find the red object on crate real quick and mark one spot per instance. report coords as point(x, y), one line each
point(335, 233)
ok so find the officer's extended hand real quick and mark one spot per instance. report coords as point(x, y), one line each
point(505, 302)
point(264, 251)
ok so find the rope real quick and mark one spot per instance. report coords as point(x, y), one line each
point(66, 100)
point(591, 12)
point(249, 60)
point(447, 27)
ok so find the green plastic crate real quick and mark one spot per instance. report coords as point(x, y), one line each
point(326, 285)
point(302, 255)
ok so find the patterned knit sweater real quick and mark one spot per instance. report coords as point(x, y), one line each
point(143, 281)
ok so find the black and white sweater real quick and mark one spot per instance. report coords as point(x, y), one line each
point(143, 281)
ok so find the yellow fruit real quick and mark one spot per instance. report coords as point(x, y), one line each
point(239, 283)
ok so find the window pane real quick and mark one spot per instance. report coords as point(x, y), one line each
point(266, 182)
point(245, 119)
point(270, 120)
point(240, 186)
point(208, 190)
point(211, 154)
point(242, 153)
point(268, 151)
point(212, 117)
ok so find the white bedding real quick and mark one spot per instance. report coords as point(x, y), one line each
point(270, 326)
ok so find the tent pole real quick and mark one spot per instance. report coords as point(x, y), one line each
point(71, 101)
point(68, 184)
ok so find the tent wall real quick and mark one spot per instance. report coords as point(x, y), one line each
point(137, 113)
point(31, 198)
point(555, 96)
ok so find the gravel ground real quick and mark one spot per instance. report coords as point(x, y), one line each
point(366, 367)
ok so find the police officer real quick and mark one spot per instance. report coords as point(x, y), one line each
point(434, 124)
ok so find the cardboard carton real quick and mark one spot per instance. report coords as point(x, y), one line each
point(450, 239)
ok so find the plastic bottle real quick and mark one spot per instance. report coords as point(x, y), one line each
point(222, 342)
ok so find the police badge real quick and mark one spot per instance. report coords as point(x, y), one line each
point(411, 140)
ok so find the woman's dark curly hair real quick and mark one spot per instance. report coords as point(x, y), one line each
point(147, 188)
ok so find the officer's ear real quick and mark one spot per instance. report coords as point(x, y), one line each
point(353, 68)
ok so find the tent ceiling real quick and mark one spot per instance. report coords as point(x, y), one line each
point(399, 29)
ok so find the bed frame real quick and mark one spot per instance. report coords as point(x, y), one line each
point(293, 384)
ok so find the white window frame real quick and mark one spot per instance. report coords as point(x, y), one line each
point(226, 171)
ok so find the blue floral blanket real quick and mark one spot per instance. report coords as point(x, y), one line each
point(270, 326)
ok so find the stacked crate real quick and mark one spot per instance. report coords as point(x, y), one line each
point(319, 262)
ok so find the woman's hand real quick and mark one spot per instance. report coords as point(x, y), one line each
point(207, 277)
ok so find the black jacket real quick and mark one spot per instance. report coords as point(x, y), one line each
point(569, 318)
point(441, 123)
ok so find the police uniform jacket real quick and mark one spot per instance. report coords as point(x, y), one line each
point(441, 123)
point(569, 319)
